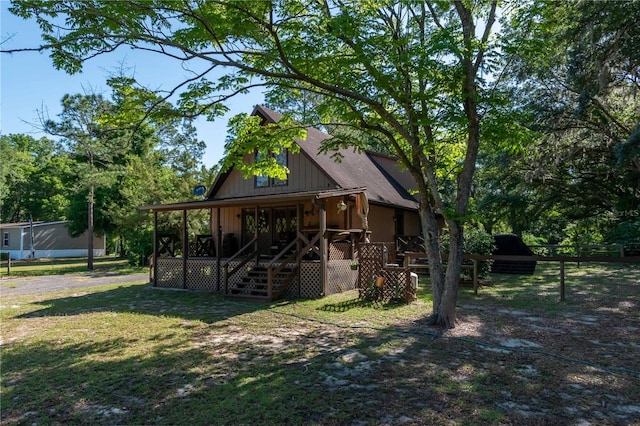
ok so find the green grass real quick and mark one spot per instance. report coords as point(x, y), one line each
point(585, 287)
point(53, 266)
point(131, 354)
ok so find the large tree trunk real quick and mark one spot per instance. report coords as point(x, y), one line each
point(447, 312)
point(444, 281)
point(444, 286)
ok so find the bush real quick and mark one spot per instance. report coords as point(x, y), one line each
point(138, 246)
point(476, 241)
point(628, 234)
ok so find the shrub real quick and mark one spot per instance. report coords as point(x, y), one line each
point(476, 241)
point(628, 234)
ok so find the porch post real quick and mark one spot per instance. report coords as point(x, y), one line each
point(323, 246)
point(218, 248)
point(185, 248)
point(256, 234)
point(299, 219)
point(155, 248)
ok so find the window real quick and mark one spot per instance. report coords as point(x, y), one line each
point(5, 239)
point(265, 181)
point(282, 160)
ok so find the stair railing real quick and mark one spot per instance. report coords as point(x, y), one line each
point(271, 272)
point(225, 265)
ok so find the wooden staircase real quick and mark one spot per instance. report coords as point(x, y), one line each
point(255, 284)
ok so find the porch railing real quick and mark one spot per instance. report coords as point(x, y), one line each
point(246, 260)
point(276, 265)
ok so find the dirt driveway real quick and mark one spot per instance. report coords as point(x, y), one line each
point(15, 286)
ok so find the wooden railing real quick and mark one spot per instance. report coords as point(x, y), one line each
point(246, 260)
point(475, 258)
point(309, 244)
point(272, 270)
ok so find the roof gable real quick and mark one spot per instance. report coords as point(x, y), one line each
point(384, 180)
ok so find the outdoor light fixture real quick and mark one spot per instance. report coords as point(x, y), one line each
point(341, 206)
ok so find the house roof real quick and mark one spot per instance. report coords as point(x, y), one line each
point(378, 175)
point(261, 200)
point(385, 182)
point(26, 224)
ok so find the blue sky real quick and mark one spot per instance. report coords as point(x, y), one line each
point(29, 83)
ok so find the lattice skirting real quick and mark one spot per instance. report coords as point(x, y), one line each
point(310, 283)
point(340, 276)
point(202, 275)
point(373, 258)
point(169, 273)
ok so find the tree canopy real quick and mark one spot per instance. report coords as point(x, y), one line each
point(104, 151)
point(435, 82)
point(413, 74)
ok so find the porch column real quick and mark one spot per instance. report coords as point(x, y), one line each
point(155, 248)
point(256, 234)
point(323, 245)
point(185, 248)
point(299, 219)
point(218, 248)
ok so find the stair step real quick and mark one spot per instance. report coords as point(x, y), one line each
point(254, 285)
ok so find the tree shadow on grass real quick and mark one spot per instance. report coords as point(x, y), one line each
point(293, 371)
point(142, 299)
point(358, 302)
point(270, 367)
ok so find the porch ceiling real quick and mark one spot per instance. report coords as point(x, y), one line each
point(262, 200)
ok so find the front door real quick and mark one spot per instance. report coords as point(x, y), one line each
point(285, 225)
point(276, 228)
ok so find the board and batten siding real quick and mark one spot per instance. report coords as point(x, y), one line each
point(304, 176)
point(230, 220)
point(381, 223)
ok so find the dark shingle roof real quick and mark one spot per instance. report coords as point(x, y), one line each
point(385, 181)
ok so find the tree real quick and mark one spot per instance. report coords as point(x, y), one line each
point(578, 76)
point(33, 179)
point(418, 75)
point(124, 157)
point(92, 149)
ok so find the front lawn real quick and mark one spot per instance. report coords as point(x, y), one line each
point(54, 266)
point(131, 354)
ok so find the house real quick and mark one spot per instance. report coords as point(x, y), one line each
point(296, 237)
point(33, 240)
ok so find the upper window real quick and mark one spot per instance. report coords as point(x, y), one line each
point(264, 181)
point(282, 160)
point(5, 239)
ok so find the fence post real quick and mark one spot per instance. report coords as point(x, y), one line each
point(475, 276)
point(562, 281)
point(9, 265)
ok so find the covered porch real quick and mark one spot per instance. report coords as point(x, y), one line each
point(297, 245)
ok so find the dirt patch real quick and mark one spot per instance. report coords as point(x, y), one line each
point(496, 367)
point(22, 286)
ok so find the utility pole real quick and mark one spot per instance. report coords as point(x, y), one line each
point(90, 218)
